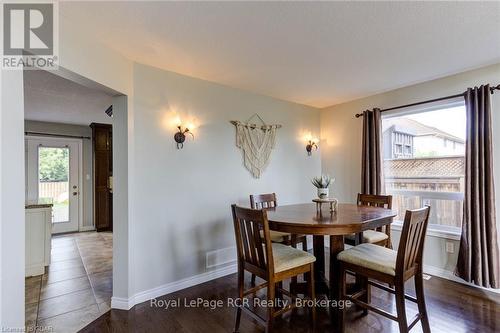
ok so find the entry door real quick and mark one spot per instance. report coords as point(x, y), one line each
point(53, 174)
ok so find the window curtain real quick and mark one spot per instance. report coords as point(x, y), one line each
point(478, 258)
point(371, 166)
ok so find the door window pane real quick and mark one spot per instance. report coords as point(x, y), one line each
point(53, 180)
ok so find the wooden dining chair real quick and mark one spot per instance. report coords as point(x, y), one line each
point(392, 267)
point(269, 200)
point(272, 262)
point(380, 236)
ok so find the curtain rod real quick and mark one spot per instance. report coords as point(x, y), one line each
point(58, 135)
point(492, 89)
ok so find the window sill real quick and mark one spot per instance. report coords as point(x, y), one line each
point(434, 232)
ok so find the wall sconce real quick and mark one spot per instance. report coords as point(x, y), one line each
point(310, 145)
point(180, 136)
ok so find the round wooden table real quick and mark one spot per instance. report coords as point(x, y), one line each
point(304, 219)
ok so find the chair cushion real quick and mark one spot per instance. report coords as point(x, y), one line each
point(370, 236)
point(287, 257)
point(276, 236)
point(371, 256)
point(373, 236)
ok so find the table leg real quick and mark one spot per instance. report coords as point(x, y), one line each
point(361, 282)
point(389, 238)
point(336, 246)
point(319, 265)
point(358, 238)
point(293, 282)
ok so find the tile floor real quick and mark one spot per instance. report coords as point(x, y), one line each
point(77, 287)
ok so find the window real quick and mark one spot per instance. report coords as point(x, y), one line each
point(428, 171)
point(53, 180)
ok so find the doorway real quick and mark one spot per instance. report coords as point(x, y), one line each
point(53, 175)
point(77, 284)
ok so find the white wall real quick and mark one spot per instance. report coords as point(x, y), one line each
point(341, 141)
point(80, 53)
point(183, 197)
point(12, 201)
point(80, 57)
point(122, 144)
point(83, 60)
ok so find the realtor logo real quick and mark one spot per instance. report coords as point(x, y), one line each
point(29, 36)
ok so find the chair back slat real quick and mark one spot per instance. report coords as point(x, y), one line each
point(243, 233)
point(262, 201)
point(252, 246)
point(251, 236)
point(383, 201)
point(258, 241)
point(411, 244)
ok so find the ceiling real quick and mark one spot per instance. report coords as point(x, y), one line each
point(318, 54)
point(51, 98)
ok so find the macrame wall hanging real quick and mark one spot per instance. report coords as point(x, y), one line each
point(256, 142)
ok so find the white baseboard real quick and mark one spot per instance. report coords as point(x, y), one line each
point(128, 303)
point(34, 270)
point(87, 228)
point(120, 303)
point(448, 275)
point(221, 257)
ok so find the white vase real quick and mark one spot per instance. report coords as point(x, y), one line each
point(323, 193)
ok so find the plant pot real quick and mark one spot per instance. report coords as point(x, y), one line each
point(323, 193)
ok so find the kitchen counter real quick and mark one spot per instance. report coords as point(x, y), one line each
point(38, 219)
point(40, 203)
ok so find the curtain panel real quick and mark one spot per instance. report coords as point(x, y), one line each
point(478, 258)
point(371, 165)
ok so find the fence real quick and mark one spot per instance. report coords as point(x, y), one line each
point(435, 181)
point(56, 190)
point(446, 207)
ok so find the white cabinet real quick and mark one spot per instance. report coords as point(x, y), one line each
point(38, 233)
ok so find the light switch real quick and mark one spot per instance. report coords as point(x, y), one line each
point(87, 177)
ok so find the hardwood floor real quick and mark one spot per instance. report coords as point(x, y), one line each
point(452, 307)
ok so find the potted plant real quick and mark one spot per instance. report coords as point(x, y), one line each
point(322, 184)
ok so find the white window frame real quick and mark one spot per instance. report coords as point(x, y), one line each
point(436, 230)
point(441, 231)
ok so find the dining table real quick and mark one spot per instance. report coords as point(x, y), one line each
point(346, 219)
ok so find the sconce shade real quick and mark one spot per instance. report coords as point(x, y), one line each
point(309, 147)
point(180, 136)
